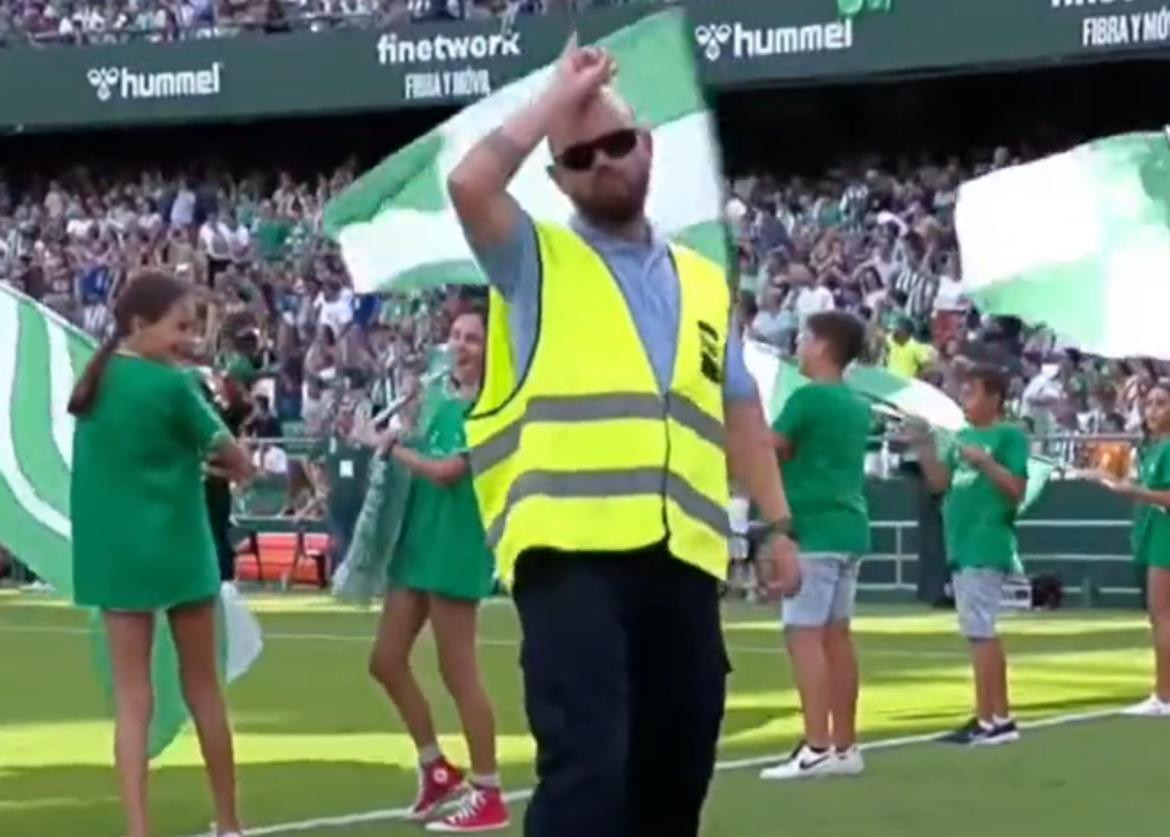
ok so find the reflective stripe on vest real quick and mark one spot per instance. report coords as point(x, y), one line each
point(610, 406)
point(632, 483)
point(580, 452)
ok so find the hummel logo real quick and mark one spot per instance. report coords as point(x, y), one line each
point(103, 80)
point(712, 38)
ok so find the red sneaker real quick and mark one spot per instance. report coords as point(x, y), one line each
point(482, 809)
point(437, 782)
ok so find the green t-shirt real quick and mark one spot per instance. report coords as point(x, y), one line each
point(141, 536)
point(271, 236)
point(828, 425)
point(239, 368)
point(1151, 525)
point(347, 469)
point(979, 519)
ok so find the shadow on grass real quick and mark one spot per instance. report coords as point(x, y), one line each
point(931, 719)
point(82, 801)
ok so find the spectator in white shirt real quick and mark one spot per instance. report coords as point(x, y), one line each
point(811, 296)
point(149, 220)
point(950, 306)
point(239, 239)
point(773, 323)
point(183, 207)
point(336, 306)
point(215, 239)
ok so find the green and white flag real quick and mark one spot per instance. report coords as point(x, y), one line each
point(398, 230)
point(40, 358)
point(777, 378)
point(1079, 242)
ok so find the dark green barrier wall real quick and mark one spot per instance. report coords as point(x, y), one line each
point(1076, 531)
point(740, 42)
point(253, 76)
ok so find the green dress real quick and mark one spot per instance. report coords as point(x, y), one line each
point(141, 535)
point(1151, 526)
point(442, 548)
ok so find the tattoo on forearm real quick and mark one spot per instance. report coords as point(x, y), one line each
point(506, 150)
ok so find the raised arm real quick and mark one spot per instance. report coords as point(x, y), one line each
point(479, 183)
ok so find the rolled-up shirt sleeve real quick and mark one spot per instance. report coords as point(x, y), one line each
point(738, 383)
point(513, 265)
point(513, 269)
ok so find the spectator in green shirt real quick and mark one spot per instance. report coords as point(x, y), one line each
point(345, 467)
point(240, 364)
point(984, 476)
point(271, 233)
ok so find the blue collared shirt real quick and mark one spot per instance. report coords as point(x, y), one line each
point(645, 273)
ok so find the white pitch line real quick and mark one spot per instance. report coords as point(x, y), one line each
point(365, 639)
point(401, 814)
point(343, 821)
point(925, 738)
point(767, 650)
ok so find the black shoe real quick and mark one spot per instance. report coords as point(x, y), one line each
point(970, 734)
point(1004, 733)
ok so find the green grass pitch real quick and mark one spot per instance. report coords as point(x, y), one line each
point(315, 739)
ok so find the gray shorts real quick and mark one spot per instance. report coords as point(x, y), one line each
point(978, 598)
point(828, 587)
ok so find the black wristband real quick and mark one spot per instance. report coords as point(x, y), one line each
point(766, 530)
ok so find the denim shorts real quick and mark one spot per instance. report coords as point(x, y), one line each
point(978, 599)
point(827, 591)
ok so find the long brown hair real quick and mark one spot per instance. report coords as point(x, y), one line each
point(148, 297)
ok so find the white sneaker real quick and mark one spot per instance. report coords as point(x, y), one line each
point(848, 762)
point(805, 763)
point(1151, 707)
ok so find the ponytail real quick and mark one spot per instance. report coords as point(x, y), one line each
point(147, 298)
point(85, 393)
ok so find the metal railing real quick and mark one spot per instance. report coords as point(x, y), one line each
point(901, 557)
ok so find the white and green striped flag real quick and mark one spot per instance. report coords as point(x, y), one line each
point(778, 377)
point(1079, 242)
point(40, 358)
point(398, 230)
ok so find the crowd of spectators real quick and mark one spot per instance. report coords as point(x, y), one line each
point(313, 360)
point(278, 317)
point(43, 22)
point(878, 239)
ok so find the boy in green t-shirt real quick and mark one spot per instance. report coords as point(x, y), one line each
point(984, 475)
point(821, 438)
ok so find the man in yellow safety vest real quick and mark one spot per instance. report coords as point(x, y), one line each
point(615, 400)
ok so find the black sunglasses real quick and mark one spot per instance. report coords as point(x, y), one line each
point(615, 145)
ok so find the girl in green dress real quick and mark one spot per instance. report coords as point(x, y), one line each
point(1151, 538)
point(142, 540)
point(440, 569)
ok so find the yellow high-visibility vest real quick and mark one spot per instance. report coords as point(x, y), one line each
point(580, 452)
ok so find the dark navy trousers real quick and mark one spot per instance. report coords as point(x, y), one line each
point(625, 676)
